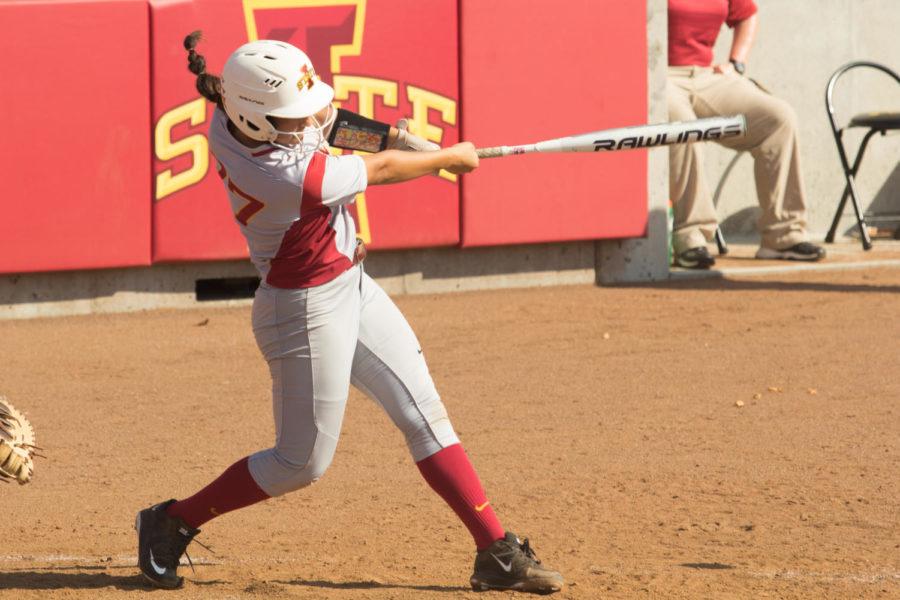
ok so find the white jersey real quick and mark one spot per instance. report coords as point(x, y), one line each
point(292, 210)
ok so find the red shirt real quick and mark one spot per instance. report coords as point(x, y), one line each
point(694, 26)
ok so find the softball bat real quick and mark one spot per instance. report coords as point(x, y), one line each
point(631, 138)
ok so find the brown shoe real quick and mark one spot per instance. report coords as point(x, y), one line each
point(509, 564)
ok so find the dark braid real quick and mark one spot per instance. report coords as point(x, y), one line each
point(209, 86)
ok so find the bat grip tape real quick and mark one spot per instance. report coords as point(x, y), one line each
point(489, 152)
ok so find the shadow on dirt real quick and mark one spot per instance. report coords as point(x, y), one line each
point(749, 285)
point(372, 585)
point(707, 566)
point(55, 580)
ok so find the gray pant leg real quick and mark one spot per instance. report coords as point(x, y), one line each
point(308, 338)
point(390, 368)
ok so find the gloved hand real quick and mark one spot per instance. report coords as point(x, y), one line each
point(409, 142)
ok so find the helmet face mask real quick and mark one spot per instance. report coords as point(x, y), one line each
point(308, 139)
point(271, 78)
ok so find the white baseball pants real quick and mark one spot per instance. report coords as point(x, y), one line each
point(317, 341)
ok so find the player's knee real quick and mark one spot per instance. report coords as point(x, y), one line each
point(315, 470)
point(301, 479)
point(286, 468)
point(293, 476)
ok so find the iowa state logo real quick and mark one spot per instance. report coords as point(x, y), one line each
point(308, 78)
point(332, 33)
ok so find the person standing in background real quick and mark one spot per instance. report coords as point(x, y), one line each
point(696, 89)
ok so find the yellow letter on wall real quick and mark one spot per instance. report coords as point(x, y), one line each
point(366, 88)
point(422, 101)
point(166, 182)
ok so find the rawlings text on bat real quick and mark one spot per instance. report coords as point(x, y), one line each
point(628, 138)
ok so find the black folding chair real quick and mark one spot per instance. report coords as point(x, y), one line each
point(877, 123)
point(720, 238)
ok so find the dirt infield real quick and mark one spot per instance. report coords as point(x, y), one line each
point(604, 423)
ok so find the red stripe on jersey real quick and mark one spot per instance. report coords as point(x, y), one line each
point(252, 207)
point(308, 255)
point(265, 151)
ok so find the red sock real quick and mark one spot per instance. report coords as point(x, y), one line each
point(234, 489)
point(452, 476)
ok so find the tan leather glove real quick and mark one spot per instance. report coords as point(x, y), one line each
point(16, 444)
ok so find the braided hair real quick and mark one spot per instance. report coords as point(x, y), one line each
point(209, 85)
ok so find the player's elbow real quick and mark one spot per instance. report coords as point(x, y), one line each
point(395, 166)
point(381, 168)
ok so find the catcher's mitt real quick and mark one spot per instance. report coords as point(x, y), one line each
point(16, 444)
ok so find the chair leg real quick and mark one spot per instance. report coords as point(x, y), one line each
point(850, 189)
point(829, 239)
point(720, 241)
point(860, 220)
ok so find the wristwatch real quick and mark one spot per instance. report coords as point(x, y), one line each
point(739, 67)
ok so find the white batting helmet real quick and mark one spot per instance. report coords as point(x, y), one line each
point(271, 78)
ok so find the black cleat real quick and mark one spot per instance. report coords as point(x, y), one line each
point(695, 258)
point(161, 542)
point(509, 564)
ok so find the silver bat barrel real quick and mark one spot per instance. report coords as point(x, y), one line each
point(632, 138)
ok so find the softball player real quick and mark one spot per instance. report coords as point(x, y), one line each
point(320, 322)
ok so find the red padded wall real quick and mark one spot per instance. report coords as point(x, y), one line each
point(411, 53)
point(415, 45)
point(96, 177)
point(544, 69)
point(191, 213)
point(75, 148)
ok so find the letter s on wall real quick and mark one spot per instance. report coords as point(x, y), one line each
point(168, 183)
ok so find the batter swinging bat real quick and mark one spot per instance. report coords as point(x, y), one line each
point(627, 138)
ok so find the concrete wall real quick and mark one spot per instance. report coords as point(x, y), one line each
point(799, 45)
point(433, 270)
point(622, 261)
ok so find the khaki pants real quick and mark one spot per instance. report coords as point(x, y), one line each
point(697, 92)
